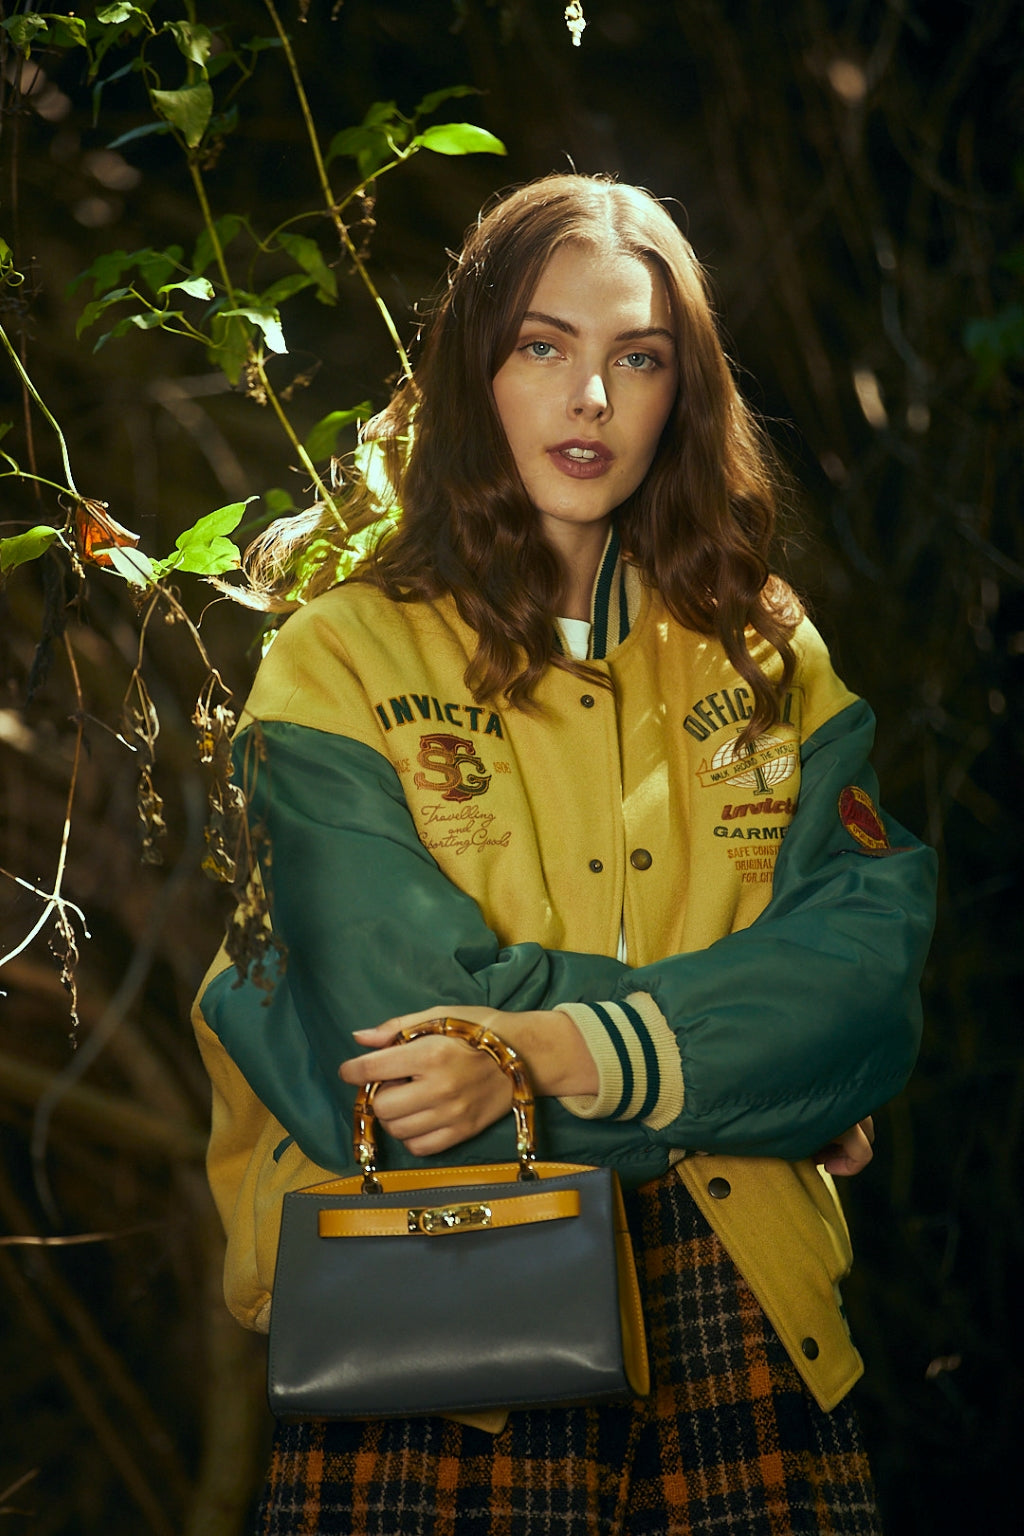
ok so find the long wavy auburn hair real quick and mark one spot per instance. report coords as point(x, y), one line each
point(700, 525)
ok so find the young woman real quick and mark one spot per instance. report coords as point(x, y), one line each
point(567, 759)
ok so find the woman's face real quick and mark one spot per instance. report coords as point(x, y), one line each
point(587, 388)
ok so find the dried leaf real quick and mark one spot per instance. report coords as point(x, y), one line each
point(151, 814)
point(96, 531)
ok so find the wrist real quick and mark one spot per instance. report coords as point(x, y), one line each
point(556, 1055)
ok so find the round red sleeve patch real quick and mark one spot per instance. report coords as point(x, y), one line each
point(858, 815)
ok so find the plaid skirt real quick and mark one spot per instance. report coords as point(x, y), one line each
point(729, 1443)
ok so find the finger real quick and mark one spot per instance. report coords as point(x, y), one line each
point(436, 1141)
point(385, 1064)
point(407, 1126)
point(850, 1155)
point(445, 1060)
point(391, 1027)
point(379, 1035)
point(399, 1101)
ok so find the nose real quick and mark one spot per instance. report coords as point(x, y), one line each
point(589, 398)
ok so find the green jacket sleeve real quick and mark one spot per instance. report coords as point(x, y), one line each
point(793, 1029)
point(373, 928)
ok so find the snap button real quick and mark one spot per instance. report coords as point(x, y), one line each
point(587, 700)
point(810, 1348)
point(719, 1189)
point(640, 859)
point(596, 866)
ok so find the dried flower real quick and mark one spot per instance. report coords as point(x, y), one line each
point(575, 21)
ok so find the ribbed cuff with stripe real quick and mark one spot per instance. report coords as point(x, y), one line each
point(637, 1059)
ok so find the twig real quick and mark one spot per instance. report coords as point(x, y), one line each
point(330, 201)
point(37, 397)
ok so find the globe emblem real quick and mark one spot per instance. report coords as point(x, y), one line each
point(762, 775)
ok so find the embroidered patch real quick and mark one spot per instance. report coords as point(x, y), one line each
point(858, 815)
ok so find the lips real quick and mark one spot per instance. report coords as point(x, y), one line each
point(581, 459)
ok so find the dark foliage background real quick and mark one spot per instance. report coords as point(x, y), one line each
point(853, 175)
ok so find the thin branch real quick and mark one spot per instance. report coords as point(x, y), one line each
point(37, 397)
point(330, 201)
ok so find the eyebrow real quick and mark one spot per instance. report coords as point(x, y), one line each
point(641, 333)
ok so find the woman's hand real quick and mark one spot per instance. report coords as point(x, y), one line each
point(438, 1091)
point(851, 1152)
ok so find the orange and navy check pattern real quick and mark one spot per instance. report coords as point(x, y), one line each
point(728, 1444)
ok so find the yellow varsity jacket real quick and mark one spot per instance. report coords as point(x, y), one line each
point(431, 850)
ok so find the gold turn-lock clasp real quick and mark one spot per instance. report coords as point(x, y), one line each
point(448, 1218)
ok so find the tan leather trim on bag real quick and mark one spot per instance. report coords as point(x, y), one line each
point(398, 1221)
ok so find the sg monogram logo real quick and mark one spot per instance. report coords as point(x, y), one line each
point(451, 756)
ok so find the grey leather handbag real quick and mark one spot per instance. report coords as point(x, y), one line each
point(435, 1290)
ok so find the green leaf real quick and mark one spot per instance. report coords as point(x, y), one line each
point(259, 44)
point(142, 132)
point(26, 546)
point(24, 30)
point(102, 45)
point(229, 348)
point(149, 320)
point(156, 266)
point(308, 255)
point(278, 502)
point(213, 524)
point(227, 228)
point(204, 548)
point(108, 15)
point(383, 113)
point(153, 319)
point(322, 439)
point(68, 31)
point(374, 141)
point(433, 101)
point(284, 288)
point(217, 63)
point(216, 556)
point(195, 287)
point(353, 141)
point(92, 311)
point(104, 271)
point(223, 122)
point(460, 139)
point(371, 462)
point(188, 109)
point(268, 321)
point(193, 39)
point(131, 564)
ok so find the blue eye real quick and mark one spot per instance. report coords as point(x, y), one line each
point(539, 349)
point(639, 360)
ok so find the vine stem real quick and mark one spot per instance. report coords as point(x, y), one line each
point(211, 229)
point(289, 431)
point(37, 397)
point(330, 200)
point(222, 267)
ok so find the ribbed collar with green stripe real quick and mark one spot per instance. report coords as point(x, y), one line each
point(615, 603)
